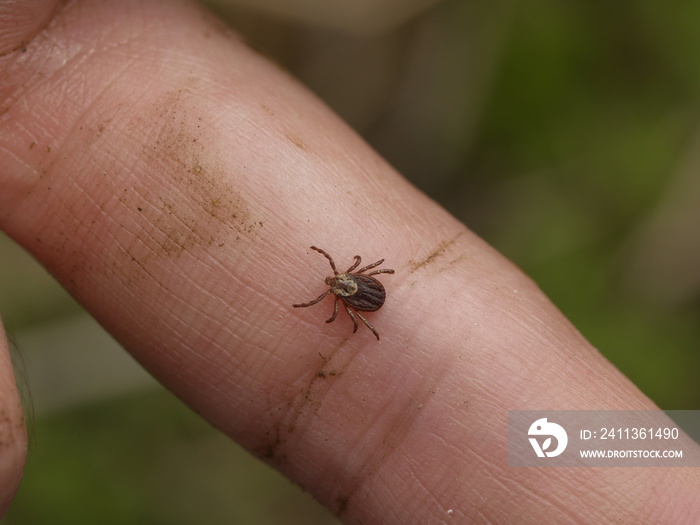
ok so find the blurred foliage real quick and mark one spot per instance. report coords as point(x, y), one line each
point(564, 133)
point(146, 459)
point(586, 132)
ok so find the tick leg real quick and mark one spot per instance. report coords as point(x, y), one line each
point(358, 260)
point(304, 305)
point(330, 259)
point(367, 323)
point(380, 261)
point(352, 316)
point(335, 312)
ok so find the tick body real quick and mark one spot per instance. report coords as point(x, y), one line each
point(357, 290)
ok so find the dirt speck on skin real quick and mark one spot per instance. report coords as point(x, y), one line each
point(10, 429)
point(302, 406)
point(297, 142)
point(342, 504)
point(195, 205)
point(435, 255)
point(270, 450)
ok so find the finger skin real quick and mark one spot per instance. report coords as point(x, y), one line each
point(172, 180)
point(21, 21)
point(13, 435)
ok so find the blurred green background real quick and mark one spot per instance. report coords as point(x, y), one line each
point(564, 133)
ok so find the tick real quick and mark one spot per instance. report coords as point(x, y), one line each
point(357, 290)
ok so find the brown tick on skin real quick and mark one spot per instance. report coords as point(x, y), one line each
point(356, 290)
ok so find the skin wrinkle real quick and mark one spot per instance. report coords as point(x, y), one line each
point(440, 485)
point(300, 409)
point(564, 512)
point(389, 442)
point(311, 399)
